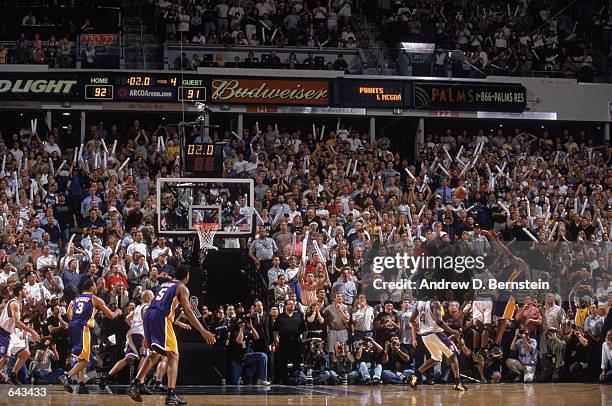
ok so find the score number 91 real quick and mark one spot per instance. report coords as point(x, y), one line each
point(192, 93)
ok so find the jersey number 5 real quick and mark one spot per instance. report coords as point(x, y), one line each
point(161, 293)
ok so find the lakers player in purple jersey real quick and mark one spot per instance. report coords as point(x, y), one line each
point(513, 268)
point(159, 332)
point(81, 313)
point(10, 317)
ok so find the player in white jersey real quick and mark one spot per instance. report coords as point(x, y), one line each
point(135, 336)
point(432, 329)
point(482, 310)
point(9, 319)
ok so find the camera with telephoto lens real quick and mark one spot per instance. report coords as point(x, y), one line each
point(364, 341)
point(314, 360)
point(44, 343)
point(343, 364)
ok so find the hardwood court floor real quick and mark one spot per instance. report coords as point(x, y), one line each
point(477, 395)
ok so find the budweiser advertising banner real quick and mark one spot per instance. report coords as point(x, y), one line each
point(276, 91)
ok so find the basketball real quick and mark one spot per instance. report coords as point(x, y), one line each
point(461, 193)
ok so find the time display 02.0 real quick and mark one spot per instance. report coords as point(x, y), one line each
point(205, 159)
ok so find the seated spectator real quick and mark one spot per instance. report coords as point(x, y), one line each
point(65, 53)
point(3, 54)
point(368, 359)
point(199, 38)
point(29, 19)
point(568, 69)
point(89, 56)
point(42, 370)
point(251, 58)
point(397, 367)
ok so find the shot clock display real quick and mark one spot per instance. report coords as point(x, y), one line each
point(204, 159)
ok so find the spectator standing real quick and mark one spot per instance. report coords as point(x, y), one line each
point(261, 251)
point(287, 329)
point(337, 318)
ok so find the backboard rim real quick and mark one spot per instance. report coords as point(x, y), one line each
point(190, 233)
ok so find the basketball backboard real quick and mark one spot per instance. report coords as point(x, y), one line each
point(183, 202)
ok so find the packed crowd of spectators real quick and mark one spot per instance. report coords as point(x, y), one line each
point(51, 52)
point(328, 203)
point(50, 35)
point(501, 37)
point(258, 23)
point(267, 61)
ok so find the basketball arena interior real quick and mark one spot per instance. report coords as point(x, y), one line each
point(306, 202)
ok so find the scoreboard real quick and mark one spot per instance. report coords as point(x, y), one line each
point(177, 87)
point(204, 159)
point(371, 93)
point(146, 87)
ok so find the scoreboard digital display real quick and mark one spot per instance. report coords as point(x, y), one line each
point(110, 86)
point(150, 87)
point(204, 159)
point(99, 92)
point(371, 93)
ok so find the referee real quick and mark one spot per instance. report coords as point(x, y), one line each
point(262, 251)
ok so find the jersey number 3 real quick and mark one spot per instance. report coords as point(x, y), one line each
point(79, 308)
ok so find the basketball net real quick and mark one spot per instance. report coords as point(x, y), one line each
point(206, 234)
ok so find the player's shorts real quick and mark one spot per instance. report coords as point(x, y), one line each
point(80, 338)
point(482, 310)
point(438, 344)
point(504, 309)
point(159, 332)
point(5, 340)
point(133, 346)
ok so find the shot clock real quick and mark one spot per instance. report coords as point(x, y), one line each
point(204, 159)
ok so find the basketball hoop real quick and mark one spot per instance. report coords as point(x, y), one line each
point(206, 234)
